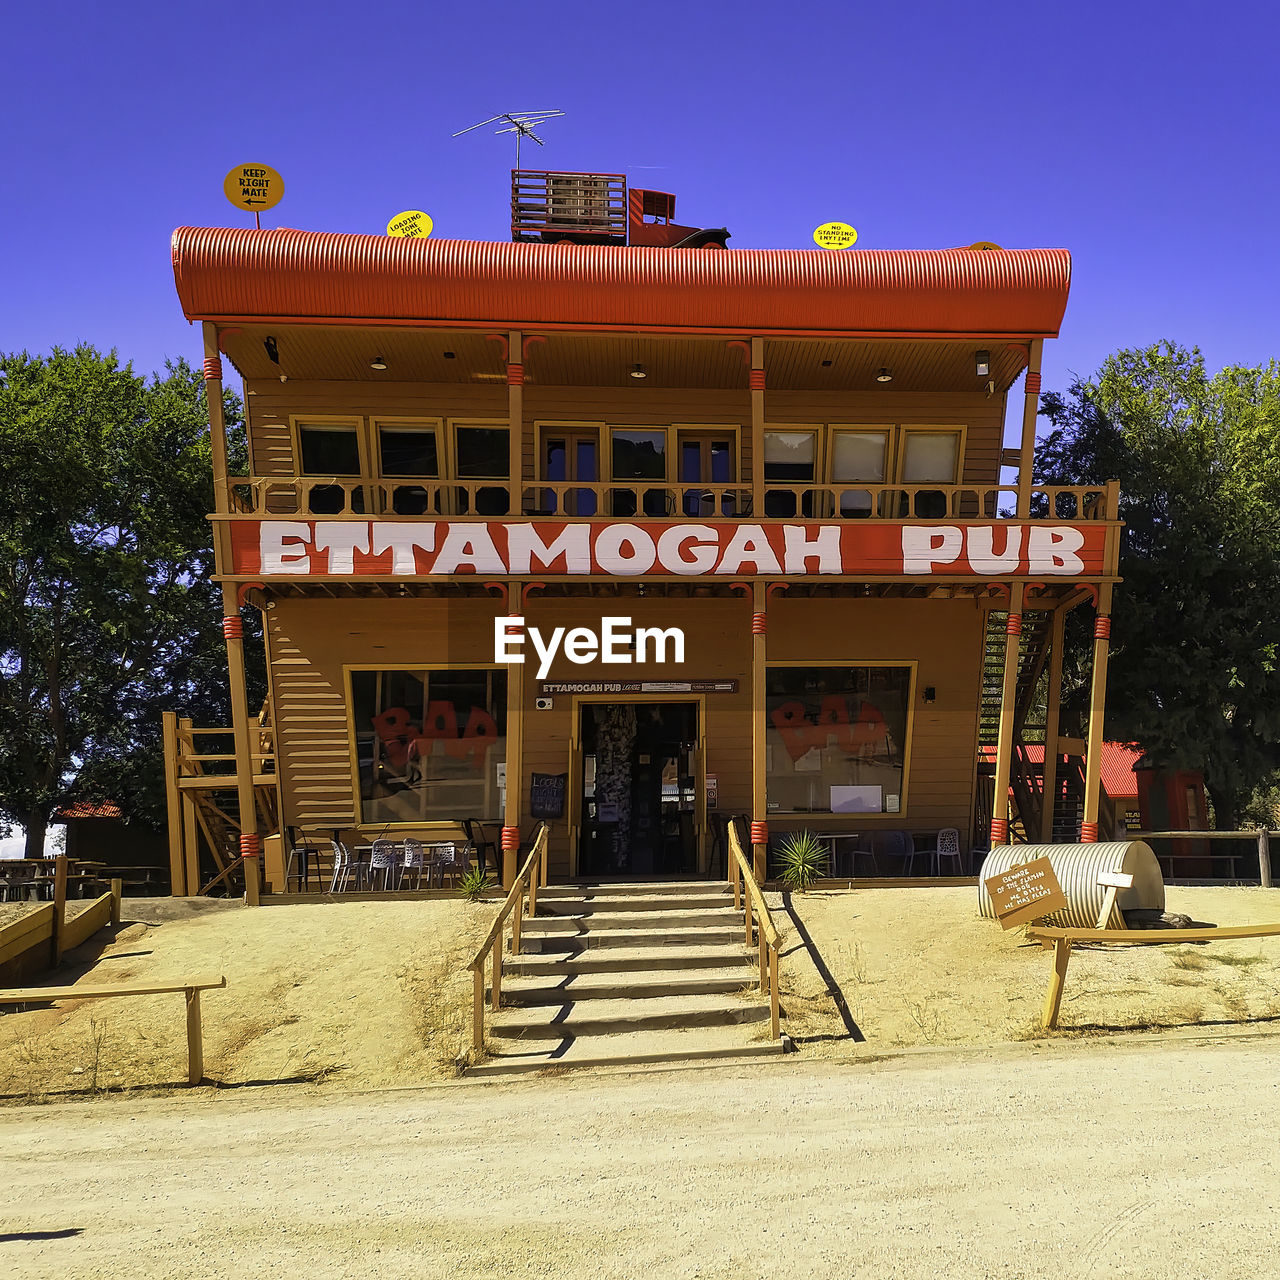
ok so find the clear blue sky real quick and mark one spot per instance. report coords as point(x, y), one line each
point(1141, 136)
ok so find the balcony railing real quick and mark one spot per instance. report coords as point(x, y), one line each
point(344, 497)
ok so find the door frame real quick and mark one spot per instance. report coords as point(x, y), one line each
point(699, 701)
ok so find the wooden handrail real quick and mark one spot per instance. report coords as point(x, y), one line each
point(531, 874)
point(742, 878)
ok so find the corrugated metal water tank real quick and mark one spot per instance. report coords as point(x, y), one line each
point(1077, 867)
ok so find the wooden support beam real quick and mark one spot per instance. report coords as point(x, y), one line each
point(1030, 409)
point(1097, 711)
point(759, 781)
point(515, 753)
point(191, 843)
point(195, 1037)
point(515, 422)
point(246, 801)
point(1049, 776)
point(756, 384)
point(173, 805)
point(59, 909)
point(1057, 980)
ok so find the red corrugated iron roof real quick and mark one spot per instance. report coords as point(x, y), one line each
point(1118, 760)
point(307, 276)
point(83, 809)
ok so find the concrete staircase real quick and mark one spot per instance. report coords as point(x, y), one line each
point(627, 974)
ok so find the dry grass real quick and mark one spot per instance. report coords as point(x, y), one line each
point(356, 994)
point(919, 966)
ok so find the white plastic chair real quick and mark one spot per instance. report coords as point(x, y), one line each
point(384, 857)
point(343, 862)
point(413, 859)
point(948, 847)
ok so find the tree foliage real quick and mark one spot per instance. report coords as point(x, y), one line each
point(1195, 660)
point(107, 614)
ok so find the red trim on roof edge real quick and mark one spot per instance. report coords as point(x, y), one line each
point(243, 275)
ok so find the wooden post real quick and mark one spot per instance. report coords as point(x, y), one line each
point(217, 420)
point(515, 425)
point(1030, 408)
point(773, 995)
point(59, 909)
point(759, 782)
point(515, 754)
point(250, 844)
point(1264, 858)
point(117, 892)
point(764, 958)
point(756, 382)
point(495, 983)
point(1049, 775)
point(515, 929)
point(191, 843)
point(195, 1039)
point(173, 805)
point(1008, 698)
point(1097, 710)
point(1057, 979)
point(477, 1007)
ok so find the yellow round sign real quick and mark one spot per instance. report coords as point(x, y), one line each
point(253, 187)
point(412, 224)
point(984, 245)
point(835, 235)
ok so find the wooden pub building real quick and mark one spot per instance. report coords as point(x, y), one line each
point(754, 497)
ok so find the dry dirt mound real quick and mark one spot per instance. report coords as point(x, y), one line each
point(358, 994)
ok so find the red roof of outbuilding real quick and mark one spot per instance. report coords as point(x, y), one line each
point(1116, 771)
point(84, 809)
point(318, 277)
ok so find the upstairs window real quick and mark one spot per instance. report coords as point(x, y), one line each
point(790, 457)
point(482, 453)
point(330, 449)
point(411, 450)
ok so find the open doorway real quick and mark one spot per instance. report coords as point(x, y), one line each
point(638, 787)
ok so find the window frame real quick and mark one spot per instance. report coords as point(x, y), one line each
point(353, 749)
point(904, 799)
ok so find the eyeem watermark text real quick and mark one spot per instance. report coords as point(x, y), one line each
point(615, 643)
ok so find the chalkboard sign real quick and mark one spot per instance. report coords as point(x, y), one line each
point(546, 795)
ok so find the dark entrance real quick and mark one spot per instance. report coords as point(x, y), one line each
point(639, 789)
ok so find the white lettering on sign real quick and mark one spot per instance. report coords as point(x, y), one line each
point(581, 645)
point(440, 548)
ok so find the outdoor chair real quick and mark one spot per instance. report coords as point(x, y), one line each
point(304, 860)
point(384, 857)
point(948, 847)
point(458, 862)
point(413, 859)
point(344, 865)
point(485, 846)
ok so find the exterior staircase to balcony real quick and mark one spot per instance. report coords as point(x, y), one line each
point(628, 975)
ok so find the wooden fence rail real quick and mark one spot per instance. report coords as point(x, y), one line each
point(38, 940)
point(1263, 837)
point(748, 898)
point(532, 876)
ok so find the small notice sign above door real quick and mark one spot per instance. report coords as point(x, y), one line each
point(550, 687)
point(1024, 893)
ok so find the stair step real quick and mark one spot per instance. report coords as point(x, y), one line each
point(637, 889)
point(574, 988)
point(561, 941)
point(613, 904)
point(623, 959)
point(637, 1048)
point(606, 1017)
point(574, 919)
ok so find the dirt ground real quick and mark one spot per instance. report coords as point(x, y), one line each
point(919, 966)
point(1117, 1159)
point(11, 911)
point(358, 995)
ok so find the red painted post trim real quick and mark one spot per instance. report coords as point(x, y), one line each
point(759, 833)
point(510, 839)
point(250, 845)
point(233, 628)
point(999, 831)
point(1088, 833)
point(1014, 626)
point(212, 369)
point(1102, 628)
point(759, 624)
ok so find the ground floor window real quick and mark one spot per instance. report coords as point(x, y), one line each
point(430, 745)
point(836, 738)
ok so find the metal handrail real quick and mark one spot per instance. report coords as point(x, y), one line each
point(748, 898)
point(532, 875)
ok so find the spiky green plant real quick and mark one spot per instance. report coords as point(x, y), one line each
point(802, 858)
point(475, 884)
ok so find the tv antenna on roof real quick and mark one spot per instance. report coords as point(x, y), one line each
point(521, 123)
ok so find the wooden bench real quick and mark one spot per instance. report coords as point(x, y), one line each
point(190, 988)
point(1062, 940)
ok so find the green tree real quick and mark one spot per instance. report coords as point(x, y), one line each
point(107, 614)
point(1194, 676)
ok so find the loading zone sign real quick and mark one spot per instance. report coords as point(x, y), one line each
point(254, 187)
